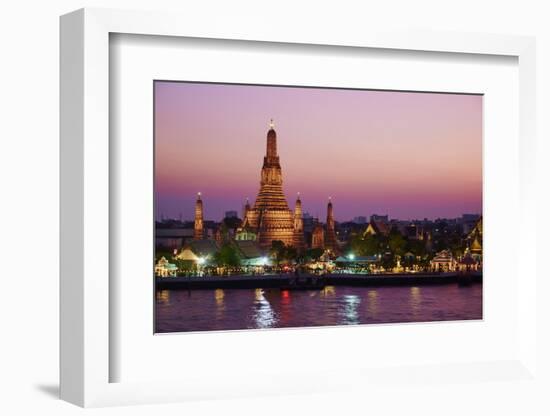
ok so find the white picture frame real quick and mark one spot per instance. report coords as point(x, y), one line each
point(85, 211)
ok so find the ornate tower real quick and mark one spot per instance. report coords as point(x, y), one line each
point(270, 216)
point(298, 241)
point(246, 210)
point(318, 237)
point(199, 226)
point(330, 239)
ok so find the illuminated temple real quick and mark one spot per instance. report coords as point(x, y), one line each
point(270, 218)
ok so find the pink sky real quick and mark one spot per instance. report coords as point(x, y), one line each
point(409, 155)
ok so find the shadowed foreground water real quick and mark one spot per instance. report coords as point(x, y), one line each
point(206, 310)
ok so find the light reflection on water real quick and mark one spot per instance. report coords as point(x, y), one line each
point(372, 302)
point(415, 300)
point(351, 316)
point(203, 310)
point(264, 317)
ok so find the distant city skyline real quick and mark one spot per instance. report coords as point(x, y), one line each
point(408, 155)
point(321, 218)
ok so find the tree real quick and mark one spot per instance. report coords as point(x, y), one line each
point(280, 252)
point(314, 253)
point(227, 256)
point(185, 265)
point(277, 250)
point(369, 245)
point(397, 242)
point(417, 247)
point(290, 253)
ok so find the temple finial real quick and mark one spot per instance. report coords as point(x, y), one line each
point(199, 195)
point(271, 124)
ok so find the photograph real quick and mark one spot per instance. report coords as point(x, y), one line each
point(282, 206)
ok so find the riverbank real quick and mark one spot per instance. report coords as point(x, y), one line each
point(334, 279)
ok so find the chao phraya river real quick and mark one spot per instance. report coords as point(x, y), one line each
point(231, 309)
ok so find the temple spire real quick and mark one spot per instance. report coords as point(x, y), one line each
point(246, 210)
point(271, 124)
point(199, 225)
point(270, 217)
point(331, 242)
point(271, 152)
point(298, 240)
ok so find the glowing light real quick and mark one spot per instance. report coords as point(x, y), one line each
point(329, 291)
point(372, 302)
point(264, 315)
point(265, 260)
point(219, 295)
point(350, 314)
point(201, 260)
point(351, 256)
point(415, 299)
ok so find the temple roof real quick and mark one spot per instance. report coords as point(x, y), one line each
point(443, 256)
point(476, 245)
point(379, 227)
point(248, 249)
point(204, 247)
point(187, 254)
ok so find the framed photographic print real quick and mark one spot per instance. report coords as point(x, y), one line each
point(226, 261)
point(237, 209)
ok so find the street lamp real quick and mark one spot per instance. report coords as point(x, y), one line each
point(200, 262)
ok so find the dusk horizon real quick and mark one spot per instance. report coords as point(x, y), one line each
point(408, 155)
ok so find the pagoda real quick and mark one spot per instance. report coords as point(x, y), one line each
point(299, 242)
point(331, 242)
point(199, 223)
point(270, 218)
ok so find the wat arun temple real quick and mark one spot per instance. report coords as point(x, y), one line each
point(270, 218)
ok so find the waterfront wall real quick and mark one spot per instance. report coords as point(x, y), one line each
point(286, 280)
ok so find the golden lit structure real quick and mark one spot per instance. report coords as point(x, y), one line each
point(476, 238)
point(164, 268)
point(199, 224)
point(331, 243)
point(318, 237)
point(298, 242)
point(270, 218)
point(443, 262)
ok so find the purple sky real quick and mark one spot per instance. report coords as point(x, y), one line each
point(409, 155)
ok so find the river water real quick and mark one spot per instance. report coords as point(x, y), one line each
point(207, 310)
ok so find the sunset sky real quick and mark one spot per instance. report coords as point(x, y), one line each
point(409, 155)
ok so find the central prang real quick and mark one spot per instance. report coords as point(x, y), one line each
point(270, 218)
